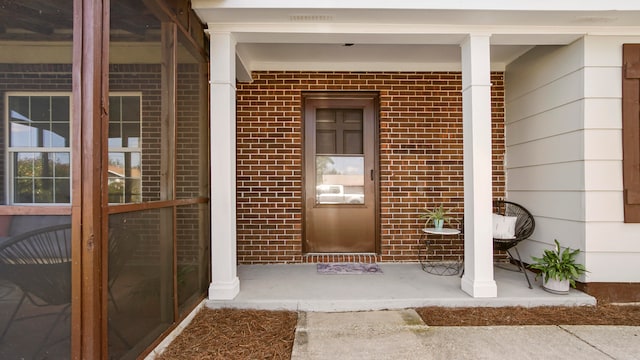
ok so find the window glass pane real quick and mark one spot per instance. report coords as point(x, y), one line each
point(19, 108)
point(24, 164)
point(40, 108)
point(115, 115)
point(131, 134)
point(43, 190)
point(116, 190)
point(116, 163)
point(62, 191)
point(115, 134)
point(59, 136)
point(35, 175)
point(23, 191)
point(43, 165)
point(115, 138)
point(62, 165)
point(131, 108)
point(21, 134)
point(339, 179)
point(125, 177)
point(41, 132)
point(60, 108)
point(133, 190)
point(135, 164)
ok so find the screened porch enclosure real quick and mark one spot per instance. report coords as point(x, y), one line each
point(104, 236)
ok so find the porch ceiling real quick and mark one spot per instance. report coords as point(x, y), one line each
point(52, 20)
point(402, 35)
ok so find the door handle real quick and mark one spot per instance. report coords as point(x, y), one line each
point(371, 174)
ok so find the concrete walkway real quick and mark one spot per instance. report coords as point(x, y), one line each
point(401, 334)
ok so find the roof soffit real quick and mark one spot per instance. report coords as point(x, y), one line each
point(272, 35)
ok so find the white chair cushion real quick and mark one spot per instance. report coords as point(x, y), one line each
point(504, 227)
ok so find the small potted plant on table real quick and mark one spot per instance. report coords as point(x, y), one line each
point(438, 215)
point(558, 269)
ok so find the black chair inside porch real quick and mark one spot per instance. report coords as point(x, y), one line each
point(38, 262)
point(524, 227)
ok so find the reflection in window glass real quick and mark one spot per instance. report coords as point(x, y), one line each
point(124, 177)
point(125, 168)
point(39, 152)
point(124, 121)
point(339, 179)
point(32, 123)
point(42, 177)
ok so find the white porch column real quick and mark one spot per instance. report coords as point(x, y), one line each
point(478, 278)
point(225, 284)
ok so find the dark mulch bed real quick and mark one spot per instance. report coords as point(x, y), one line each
point(253, 334)
point(235, 334)
point(547, 315)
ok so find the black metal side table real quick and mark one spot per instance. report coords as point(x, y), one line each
point(443, 268)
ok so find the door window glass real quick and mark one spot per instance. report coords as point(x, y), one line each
point(339, 179)
point(339, 156)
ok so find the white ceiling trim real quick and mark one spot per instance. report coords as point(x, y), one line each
point(360, 66)
point(438, 34)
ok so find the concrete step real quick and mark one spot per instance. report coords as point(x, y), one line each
point(360, 335)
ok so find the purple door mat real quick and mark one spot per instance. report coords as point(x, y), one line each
point(348, 269)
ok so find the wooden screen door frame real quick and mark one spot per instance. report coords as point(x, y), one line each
point(355, 222)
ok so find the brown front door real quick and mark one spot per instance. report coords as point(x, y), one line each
point(340, 173)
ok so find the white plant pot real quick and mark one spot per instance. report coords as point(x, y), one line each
point(554, 286)
point(438, 223)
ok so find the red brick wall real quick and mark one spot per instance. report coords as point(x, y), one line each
point(421, 160)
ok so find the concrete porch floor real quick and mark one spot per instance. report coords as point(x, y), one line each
point(299, 287)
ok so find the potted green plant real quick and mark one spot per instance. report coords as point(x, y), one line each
point(558, 269)
point(438, 216)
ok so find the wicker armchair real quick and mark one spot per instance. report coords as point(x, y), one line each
point(525, 224)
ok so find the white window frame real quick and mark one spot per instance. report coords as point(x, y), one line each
point(120, 149)
point(10, 150)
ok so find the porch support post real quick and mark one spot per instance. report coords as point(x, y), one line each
point(225, 284)
point(478, 278)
